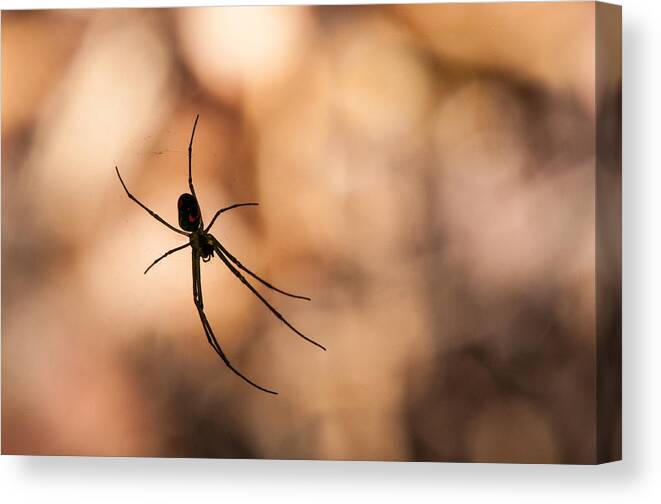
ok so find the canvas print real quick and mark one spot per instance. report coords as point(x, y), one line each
point(384, 232)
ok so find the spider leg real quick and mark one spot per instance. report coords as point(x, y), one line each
point(199, 304)
point(190, 166)
point(261, 298)
point(224, 210)
point(167, 254)
point(153, 214)
point(261, 280)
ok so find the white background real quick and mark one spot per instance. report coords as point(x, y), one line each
point(636, 479)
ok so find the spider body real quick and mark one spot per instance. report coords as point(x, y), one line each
point(204, 242)
point(189, 212)
point(205, 246)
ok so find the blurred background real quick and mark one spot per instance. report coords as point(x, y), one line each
point(425, 174)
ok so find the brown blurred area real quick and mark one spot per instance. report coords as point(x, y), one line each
point(425, 174)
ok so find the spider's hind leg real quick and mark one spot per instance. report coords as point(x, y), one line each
point(148, 210)
point(190, 166)
point(236, 205)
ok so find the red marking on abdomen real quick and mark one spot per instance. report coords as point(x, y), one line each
point(192, 218)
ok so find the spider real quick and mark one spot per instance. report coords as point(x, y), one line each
point(204, 245)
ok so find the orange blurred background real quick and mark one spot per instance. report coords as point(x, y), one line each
point(425, 174)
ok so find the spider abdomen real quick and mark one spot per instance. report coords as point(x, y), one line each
point(189, 212)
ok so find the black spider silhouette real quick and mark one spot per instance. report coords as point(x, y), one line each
point(204, 245)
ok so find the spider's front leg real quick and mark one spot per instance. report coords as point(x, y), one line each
point(256, 277)
point(245, 282)
point(199, 304)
